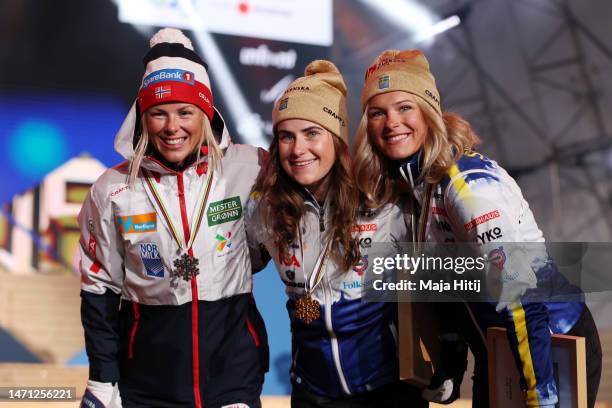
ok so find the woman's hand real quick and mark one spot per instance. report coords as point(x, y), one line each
point(101, 395)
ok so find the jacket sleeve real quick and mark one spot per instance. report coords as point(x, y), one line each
point(255, 233)
point(486, 213)
point(101, 281)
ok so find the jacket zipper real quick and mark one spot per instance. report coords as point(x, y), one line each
point(328, 319)
point(194, 298)
point(333, 338)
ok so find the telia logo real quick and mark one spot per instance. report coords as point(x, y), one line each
point(263, 57)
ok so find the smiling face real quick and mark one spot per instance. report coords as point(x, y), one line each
point(175, 129)
point(306, 153)
point(396, 124)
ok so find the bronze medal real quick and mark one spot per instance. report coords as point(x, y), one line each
point(186, 267)
point(307, 309)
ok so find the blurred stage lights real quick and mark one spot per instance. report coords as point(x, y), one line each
point(36, 147)
point(412, 16)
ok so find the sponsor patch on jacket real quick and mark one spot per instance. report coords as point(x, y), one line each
point(128, 224)
point(223, 211)
point(364, 227)
point(149, 253)
point(482, 219)
point(361, 266)
point(224, 241)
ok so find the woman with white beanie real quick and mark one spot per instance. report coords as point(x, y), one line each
point(167, 307)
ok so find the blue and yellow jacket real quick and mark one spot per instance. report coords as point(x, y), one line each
point(478, 202)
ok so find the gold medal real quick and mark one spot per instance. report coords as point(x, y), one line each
point(307, 309)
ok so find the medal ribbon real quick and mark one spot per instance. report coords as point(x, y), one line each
point(419, 237)
point(318, 271)
point(164, 212)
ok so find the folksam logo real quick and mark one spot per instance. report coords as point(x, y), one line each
point(151, 260)
point(176, 75)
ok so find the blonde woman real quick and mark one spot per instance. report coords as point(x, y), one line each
point(305, 216)
point(167, 308)
point(405, 142)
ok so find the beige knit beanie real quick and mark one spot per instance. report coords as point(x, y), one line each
point(407, 71)
point(319, 96)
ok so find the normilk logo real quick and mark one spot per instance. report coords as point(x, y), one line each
point(151, 260)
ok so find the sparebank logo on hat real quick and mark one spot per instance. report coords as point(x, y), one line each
point(177, 75)
point(136, 223)
point(384, 82)
point(151, 259)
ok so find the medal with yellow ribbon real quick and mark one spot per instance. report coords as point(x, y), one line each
point(185, 265)
point(308, 309)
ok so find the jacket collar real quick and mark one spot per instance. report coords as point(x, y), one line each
point(410, 169)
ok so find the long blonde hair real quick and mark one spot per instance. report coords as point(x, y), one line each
point(448, 137)
point(208, 139)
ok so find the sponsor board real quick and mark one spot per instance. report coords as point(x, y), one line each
point(262, 56)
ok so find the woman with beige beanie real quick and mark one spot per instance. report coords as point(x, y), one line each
point(406, 143)
point(304, 214)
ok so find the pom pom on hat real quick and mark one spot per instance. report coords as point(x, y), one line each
point(174, 73)
point(320, 67)
point(319, 96)
point(170, 35)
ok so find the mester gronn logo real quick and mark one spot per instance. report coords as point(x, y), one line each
point(219, 212)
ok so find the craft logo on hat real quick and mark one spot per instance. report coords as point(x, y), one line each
point(432, 96)
point(161, 92)
point(283, 104)
point(177, 75)
point(384, 82)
